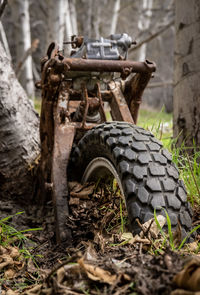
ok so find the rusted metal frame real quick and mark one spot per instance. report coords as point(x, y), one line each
point(101, 108)
point(75, 95)
point(133, 92)
point(85, 99)
point(125, 66)
point(63, 139)
point(119, 108)
point(49, 93)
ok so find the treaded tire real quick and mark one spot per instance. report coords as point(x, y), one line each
point(148, 176)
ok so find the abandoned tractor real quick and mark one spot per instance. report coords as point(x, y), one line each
point(77, 142)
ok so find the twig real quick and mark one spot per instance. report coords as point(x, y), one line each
point(152, 36)
point(28, 52)
point(159, 84)
point(145, 232)
point(71, 259)
point(2, 7)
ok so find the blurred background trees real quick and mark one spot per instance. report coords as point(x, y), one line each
point(26, 21)
point(28, 26)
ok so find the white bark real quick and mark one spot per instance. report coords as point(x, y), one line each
point(116, 9)
point(144, 24)
point(3, 38)
point(20, 12)
point(68, 27)
point(56, 22)
point(19, 134)
point(73, 16)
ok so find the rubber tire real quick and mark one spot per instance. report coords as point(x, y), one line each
point(148, 176)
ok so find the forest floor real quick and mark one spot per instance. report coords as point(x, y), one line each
point(101, 258)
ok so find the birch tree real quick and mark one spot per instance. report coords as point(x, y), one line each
point(68, 27)
point(115, 14)
point(144, 23)
point(73, 16)
point(19, 134)
point(56, 22)
point(187, 73)
point(20, 14)
point(4, 41)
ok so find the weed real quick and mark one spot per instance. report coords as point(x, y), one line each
point(10, 236)
point(169, 236)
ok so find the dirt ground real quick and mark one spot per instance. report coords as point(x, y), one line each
point(101, 258)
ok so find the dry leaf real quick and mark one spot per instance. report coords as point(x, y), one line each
point(74, 201)
point(80, 191)
point(192, 246)
point(36, 290)
point(11, 292)
point(189, 277)
point(96, 273)
point(134, 239)
point(13, 252)
point(154, 230)
point(60, 275)
point(7, 260)
point(10, 273)
point(90, 254)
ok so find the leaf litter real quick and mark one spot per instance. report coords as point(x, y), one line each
point(103, 257)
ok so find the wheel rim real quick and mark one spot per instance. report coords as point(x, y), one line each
point(100, 167)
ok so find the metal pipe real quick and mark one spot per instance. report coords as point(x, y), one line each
point(79, 64)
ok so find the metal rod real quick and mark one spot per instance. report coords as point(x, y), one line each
point(80, 64)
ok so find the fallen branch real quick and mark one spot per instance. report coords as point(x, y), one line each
point(28, 52)
point(159, 84)
point(152, 35)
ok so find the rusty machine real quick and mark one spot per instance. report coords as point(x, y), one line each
point(74, 90)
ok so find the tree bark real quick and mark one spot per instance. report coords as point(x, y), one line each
point(20, 13)
point(116, 9)
point(87, 18)
point(68, 27)
point(73, 16)
point(3, 38)
point(187, 73)
point(19, 135)
point(144, 24)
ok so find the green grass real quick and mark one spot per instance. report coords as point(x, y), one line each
point(37, 104)
point(169, 237)
point(189, 169)
point(158, 122)
point(9, 236)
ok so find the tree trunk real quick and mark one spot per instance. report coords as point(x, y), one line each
point(144, 24)
point(187, 73)
point(115, 15)
point(87, 18)
point(19, 134)
point(56, 22)
point(20, 13)
point(73, 16)
point(3, 39)
point(68, 27)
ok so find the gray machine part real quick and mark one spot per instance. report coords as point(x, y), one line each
point(115, 48)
